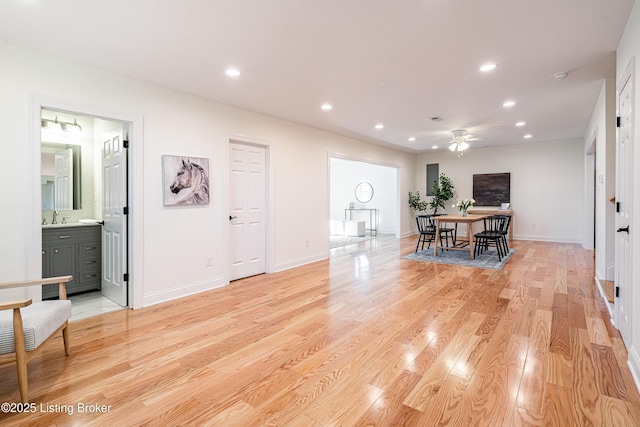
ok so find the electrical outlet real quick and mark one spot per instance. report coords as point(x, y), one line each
point(209, 261)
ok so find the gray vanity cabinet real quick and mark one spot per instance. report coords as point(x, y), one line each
point(72, 250)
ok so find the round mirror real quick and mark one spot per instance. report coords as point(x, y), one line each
point(364, 192)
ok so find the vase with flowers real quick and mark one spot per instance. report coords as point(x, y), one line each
point(463, 205)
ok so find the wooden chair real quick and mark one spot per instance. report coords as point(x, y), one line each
point(23, 333)
point(427, 232)
point(496, 228)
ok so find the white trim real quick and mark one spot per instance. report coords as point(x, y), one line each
point(554, 239)
point(606, 301)
point(634, 366)
point(300, 262)
point(35, 103)
point(183, 291)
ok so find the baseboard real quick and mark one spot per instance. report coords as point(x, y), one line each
point(634, 366)
point(553, 239)
point(604, 296)
point(300, 261)
point(194, 288)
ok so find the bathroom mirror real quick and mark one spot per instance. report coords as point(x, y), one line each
point(61, 172)
point(364, 192)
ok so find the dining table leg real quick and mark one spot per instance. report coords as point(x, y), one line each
point(436, 238)
point(470, 239)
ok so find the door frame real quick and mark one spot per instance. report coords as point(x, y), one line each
point(269, 197)
point(33, 201)
point(627, 76)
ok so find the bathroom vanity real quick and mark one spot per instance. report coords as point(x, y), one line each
point(74, 249)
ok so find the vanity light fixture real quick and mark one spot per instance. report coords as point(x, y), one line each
point(528, 136)
point(520, 124)
point(412, 139)
point(379, 126)
point(232, 72)
point(56, 124)
point(508, 103)
point(326, 106)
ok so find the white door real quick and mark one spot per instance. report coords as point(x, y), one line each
point(63, 199)
point(114, 200)
point(624, 174)
point(247, 188)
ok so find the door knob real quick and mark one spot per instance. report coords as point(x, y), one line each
point(623, 229)
point(232, 217)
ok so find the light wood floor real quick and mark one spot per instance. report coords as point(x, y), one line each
point(363, 339)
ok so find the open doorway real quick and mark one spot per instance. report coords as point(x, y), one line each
point(84, 194)
point(363, 201)
point(98, 191)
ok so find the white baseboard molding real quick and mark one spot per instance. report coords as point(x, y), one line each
point(554, 239)
point(604, 297)
point(183, 291)
point(300, 261)
point(634, 366)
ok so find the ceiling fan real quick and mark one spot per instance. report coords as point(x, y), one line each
point(460, 139)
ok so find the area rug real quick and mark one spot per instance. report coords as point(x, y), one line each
point(488, 259)
point(337, 241)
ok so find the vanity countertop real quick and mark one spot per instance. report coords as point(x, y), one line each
point(68, 225)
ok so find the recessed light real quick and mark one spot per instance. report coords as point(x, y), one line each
point(527, 136)
point(232, 72)
point(488, 67)
point(412, 139)
point(435, 147)
point(520, 124)
point(326, 107)
point(509, 103)
point(379, 126)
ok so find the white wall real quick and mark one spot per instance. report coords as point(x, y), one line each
point(628, 50)
point(547, 182)
point(176, 242)
point(347, 174)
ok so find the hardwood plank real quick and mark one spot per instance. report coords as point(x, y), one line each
point(334, 343)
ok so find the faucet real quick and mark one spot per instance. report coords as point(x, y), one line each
point(55, 217)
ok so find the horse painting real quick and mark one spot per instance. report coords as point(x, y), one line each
point(191, 182)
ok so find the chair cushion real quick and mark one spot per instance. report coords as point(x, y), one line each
point(39, 321)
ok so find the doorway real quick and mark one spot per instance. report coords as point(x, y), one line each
point(133, 162)
point(377, 213)
point(249, 197)
point(89, 196)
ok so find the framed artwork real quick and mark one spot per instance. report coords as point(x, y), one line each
point(185, 180)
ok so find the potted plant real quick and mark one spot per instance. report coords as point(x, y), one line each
point(415, 203)
point(442, 191)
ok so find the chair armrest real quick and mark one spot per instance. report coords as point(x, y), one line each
point(36, 282)
point(14, 304)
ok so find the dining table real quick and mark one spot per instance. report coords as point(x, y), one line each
point(458, 244)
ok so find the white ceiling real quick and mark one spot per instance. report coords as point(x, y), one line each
point(396, 62)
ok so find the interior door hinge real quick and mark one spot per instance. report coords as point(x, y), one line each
point(126, 277)
point(125, 210)
point(125, 143)
point(617, 207)
point(618, 121)
point(617, 291)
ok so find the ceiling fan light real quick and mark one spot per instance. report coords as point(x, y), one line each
point(462, 146)
point(453, 147)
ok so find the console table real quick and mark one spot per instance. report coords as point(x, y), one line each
point(489, 211)
point(373, 218)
